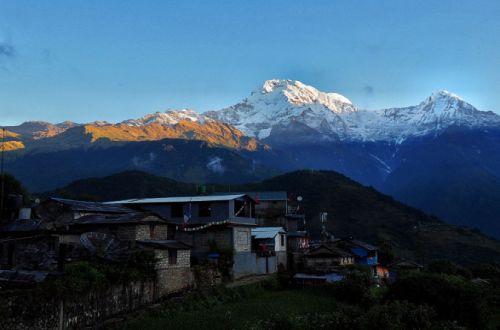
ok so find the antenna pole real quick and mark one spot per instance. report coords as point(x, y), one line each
point(2, 189)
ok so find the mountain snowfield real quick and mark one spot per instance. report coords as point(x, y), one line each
point(170, 117)
point(281, 103)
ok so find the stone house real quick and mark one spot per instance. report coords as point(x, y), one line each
point(206, 222)
point(173, 264)
point(325, 259)
point(71, 230)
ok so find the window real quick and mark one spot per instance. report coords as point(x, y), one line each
point(282, 237)
point(240, 208)
point(204, 210)
point(177, 210)
point(172, 257)
point(151, 231)
point(242, 237)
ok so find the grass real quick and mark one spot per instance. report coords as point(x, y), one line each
point(241, 313)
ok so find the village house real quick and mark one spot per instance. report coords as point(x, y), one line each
point(326, 259)
point(209, 224)
point(280, 209)
point(364, 253)
point(70, 230)
point(269, 244)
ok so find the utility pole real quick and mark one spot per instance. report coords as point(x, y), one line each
point(2, 184)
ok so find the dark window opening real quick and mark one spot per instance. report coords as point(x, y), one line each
point(241, 208)
point(282, 240)
point(172, 257)
point(177, 210)
point(204, 210)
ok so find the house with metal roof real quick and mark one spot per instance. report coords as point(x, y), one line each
point(71, 230)
point(324, 259)
point(270, 242)
point(208, 222)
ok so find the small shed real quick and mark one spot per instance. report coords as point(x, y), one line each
point(270, 239)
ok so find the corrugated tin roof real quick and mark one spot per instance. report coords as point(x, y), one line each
point(364, 245)
point(164, 244)
point(263, 195)
point(84, 206)
point(323, 250)
point(184, 199)
point(267, 232)
point(127, 218)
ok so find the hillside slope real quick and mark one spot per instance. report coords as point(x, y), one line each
point(353, 210)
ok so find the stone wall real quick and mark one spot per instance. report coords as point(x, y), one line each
point(24, 311)
point(199, 239)
point(170, 277)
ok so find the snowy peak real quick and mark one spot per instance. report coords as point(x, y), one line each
point(170, 117)
point(281, 102)
point(298, 93)
point(444, 101)
point(273, 109)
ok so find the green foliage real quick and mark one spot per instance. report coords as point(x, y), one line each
point(226, 257)
point(449, 268)
point(338, 319)
point(399, 315)
point(385, 252)
point(487, 270)
point(354, 288)
point(81, 277)
point(13, 186)
point(452, 297)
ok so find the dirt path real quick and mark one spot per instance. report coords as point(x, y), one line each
point(248, 280)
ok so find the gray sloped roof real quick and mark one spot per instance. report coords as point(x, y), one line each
point(96, 207)
point(364, 245)
point(126, 218)
point(267, 232)
point(263, 195)
point(182, 199)
point(164, 244)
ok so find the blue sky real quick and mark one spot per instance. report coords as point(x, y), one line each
point(113, 60)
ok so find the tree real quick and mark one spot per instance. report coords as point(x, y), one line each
point(11, 186)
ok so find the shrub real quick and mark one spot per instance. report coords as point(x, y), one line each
point(81, 277)
point(452, 297)
point(399, 315)
point(449, 268)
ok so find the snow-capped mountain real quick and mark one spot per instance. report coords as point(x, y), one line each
point(439, 111)
point(169, 118)
point(281, 102)
point(281, 106)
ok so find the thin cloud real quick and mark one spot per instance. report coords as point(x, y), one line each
point(7, 50)
point(368, 90)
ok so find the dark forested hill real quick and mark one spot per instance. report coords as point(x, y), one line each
point(353, 210)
